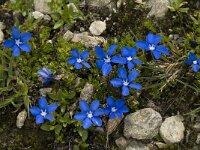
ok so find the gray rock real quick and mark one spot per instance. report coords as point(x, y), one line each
point(198, 139)
point(196, 126)
point(2, 26)
point(159, 8)
point(172, 130)
point(136, 145)
point(45, 91)
point(37, 15)
point(110, 4)
point(47, 18)
point(1, 36)
point(42, 6)
point(68, 35)
point(87, 92)
point(143, 124)
point(21, 117)
point(121, 143)
point(97, 27)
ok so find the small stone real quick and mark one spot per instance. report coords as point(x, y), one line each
point(68, 35)
point(172, 130)
point(97, 27)
point(21, 117)
point(37, 15)
point(77, 82)
point(2, 26)
point(87, 92)
point(196, 126)
point(42, 6)
point(139, 1)
point(198, 139)
point(45, 91)
point(136, 145)
point(47, 18)
point(143, 124)
point(121, 143)
point(161, 145)
point(1, 36)
point(73, 7)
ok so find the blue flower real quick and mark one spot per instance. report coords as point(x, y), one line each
point(89, 115)
point(151, 44)
point(46, 75)
point(129, 54)
point(193, 61)
point(126, 82)
point(117, 108)
point(78, 59)
point(43, 111)
point(18, 42)
point(105, 63)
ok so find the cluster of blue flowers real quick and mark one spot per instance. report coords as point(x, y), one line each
point(125, 80)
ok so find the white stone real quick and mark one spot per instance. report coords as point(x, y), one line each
point(45, 91)
point(97, 27)
point(1, 36)
point(37, 15)
point(73, 7)
point(21, 117)
point(172, 130)
point(198, 139)
point(136, 145)
point(86, 92)
point(121, 143)
point(143, 124)
point(2, 26)
point(68, 35)
point(42, 6)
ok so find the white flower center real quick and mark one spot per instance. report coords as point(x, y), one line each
point(43, 113)
point(17, 42)
point(152, 47)
point(113, 109)
point(79, 60)
point(125, 83)
point(194, 62)
point(107, 59)
point(89, 114)
point(129, 58)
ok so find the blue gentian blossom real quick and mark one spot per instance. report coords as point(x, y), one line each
point(46, 75)
point(129, 55)
point(43, 111)
point(151, 44)
point(89, 115)
point(106, 59)
point(193, 61)
point(18, 42)
point(115, 109)
point(125, 81)
point(79, 59)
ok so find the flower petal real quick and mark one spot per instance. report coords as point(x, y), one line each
point(133, 51)
point(26, 36)
point(42, 73)
point(112, 115)
point(35, 110)
point(157, 39)
point(77, 65)
point(162, 49)
point(122, 73)
point(100, 63)
point(94, 105)
point(97, 121)
point(118, 60)
point(133, 75)
point(39, 119)
point(71, 60)
point(125, 91)
point(84, 54)
point(124, 109)
point(43, 103)
point(25, 47)
point(107, 110)
point(87, 65)
point(99, 52)
point(15, 33)
point(150, 38)
point(52, 107)
point(130, 65)
point(137, 61)
point(9, 43)
point(15, 51)
point(75, 53)
point(195, 67)
point(87, 123)
point(98, 112)
point(136, 86)
point(143, 45)
point(116, 82)
point(119, 103)
point(49, 117)
point(83, 106)
point(110, 101)
point(80, 116)
point(106, 69)
point(156, 54)
point(198, 60)
point(188, 61)
point(111, 49)
point(125, 51)
point(192, 56)
point(119, 114)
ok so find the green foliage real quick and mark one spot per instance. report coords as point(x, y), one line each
point(177, 6)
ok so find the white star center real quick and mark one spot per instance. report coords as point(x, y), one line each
point(79, 60)
point(89, 114)
point(43, 113)
point(107, 59)
point(152, 47)
point(129, 58)
point(194, 62)
point(113, 109)
point(125, 83)
point(17, 42)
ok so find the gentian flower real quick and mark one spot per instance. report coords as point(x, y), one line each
point(193, 61)
point(129, 54)
point(105, 63)
point(18, 42)
point(78, 59)
point(115, 109)
point(126, 82)
point(43, 111)
point(46, 75)
point(151, 44)
point(89, 115)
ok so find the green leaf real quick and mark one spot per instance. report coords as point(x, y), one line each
point(84, 134)
point(47, 127)
point(58, 24)
point(58, 128)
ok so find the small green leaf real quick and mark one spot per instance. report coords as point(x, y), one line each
point(58, 24)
